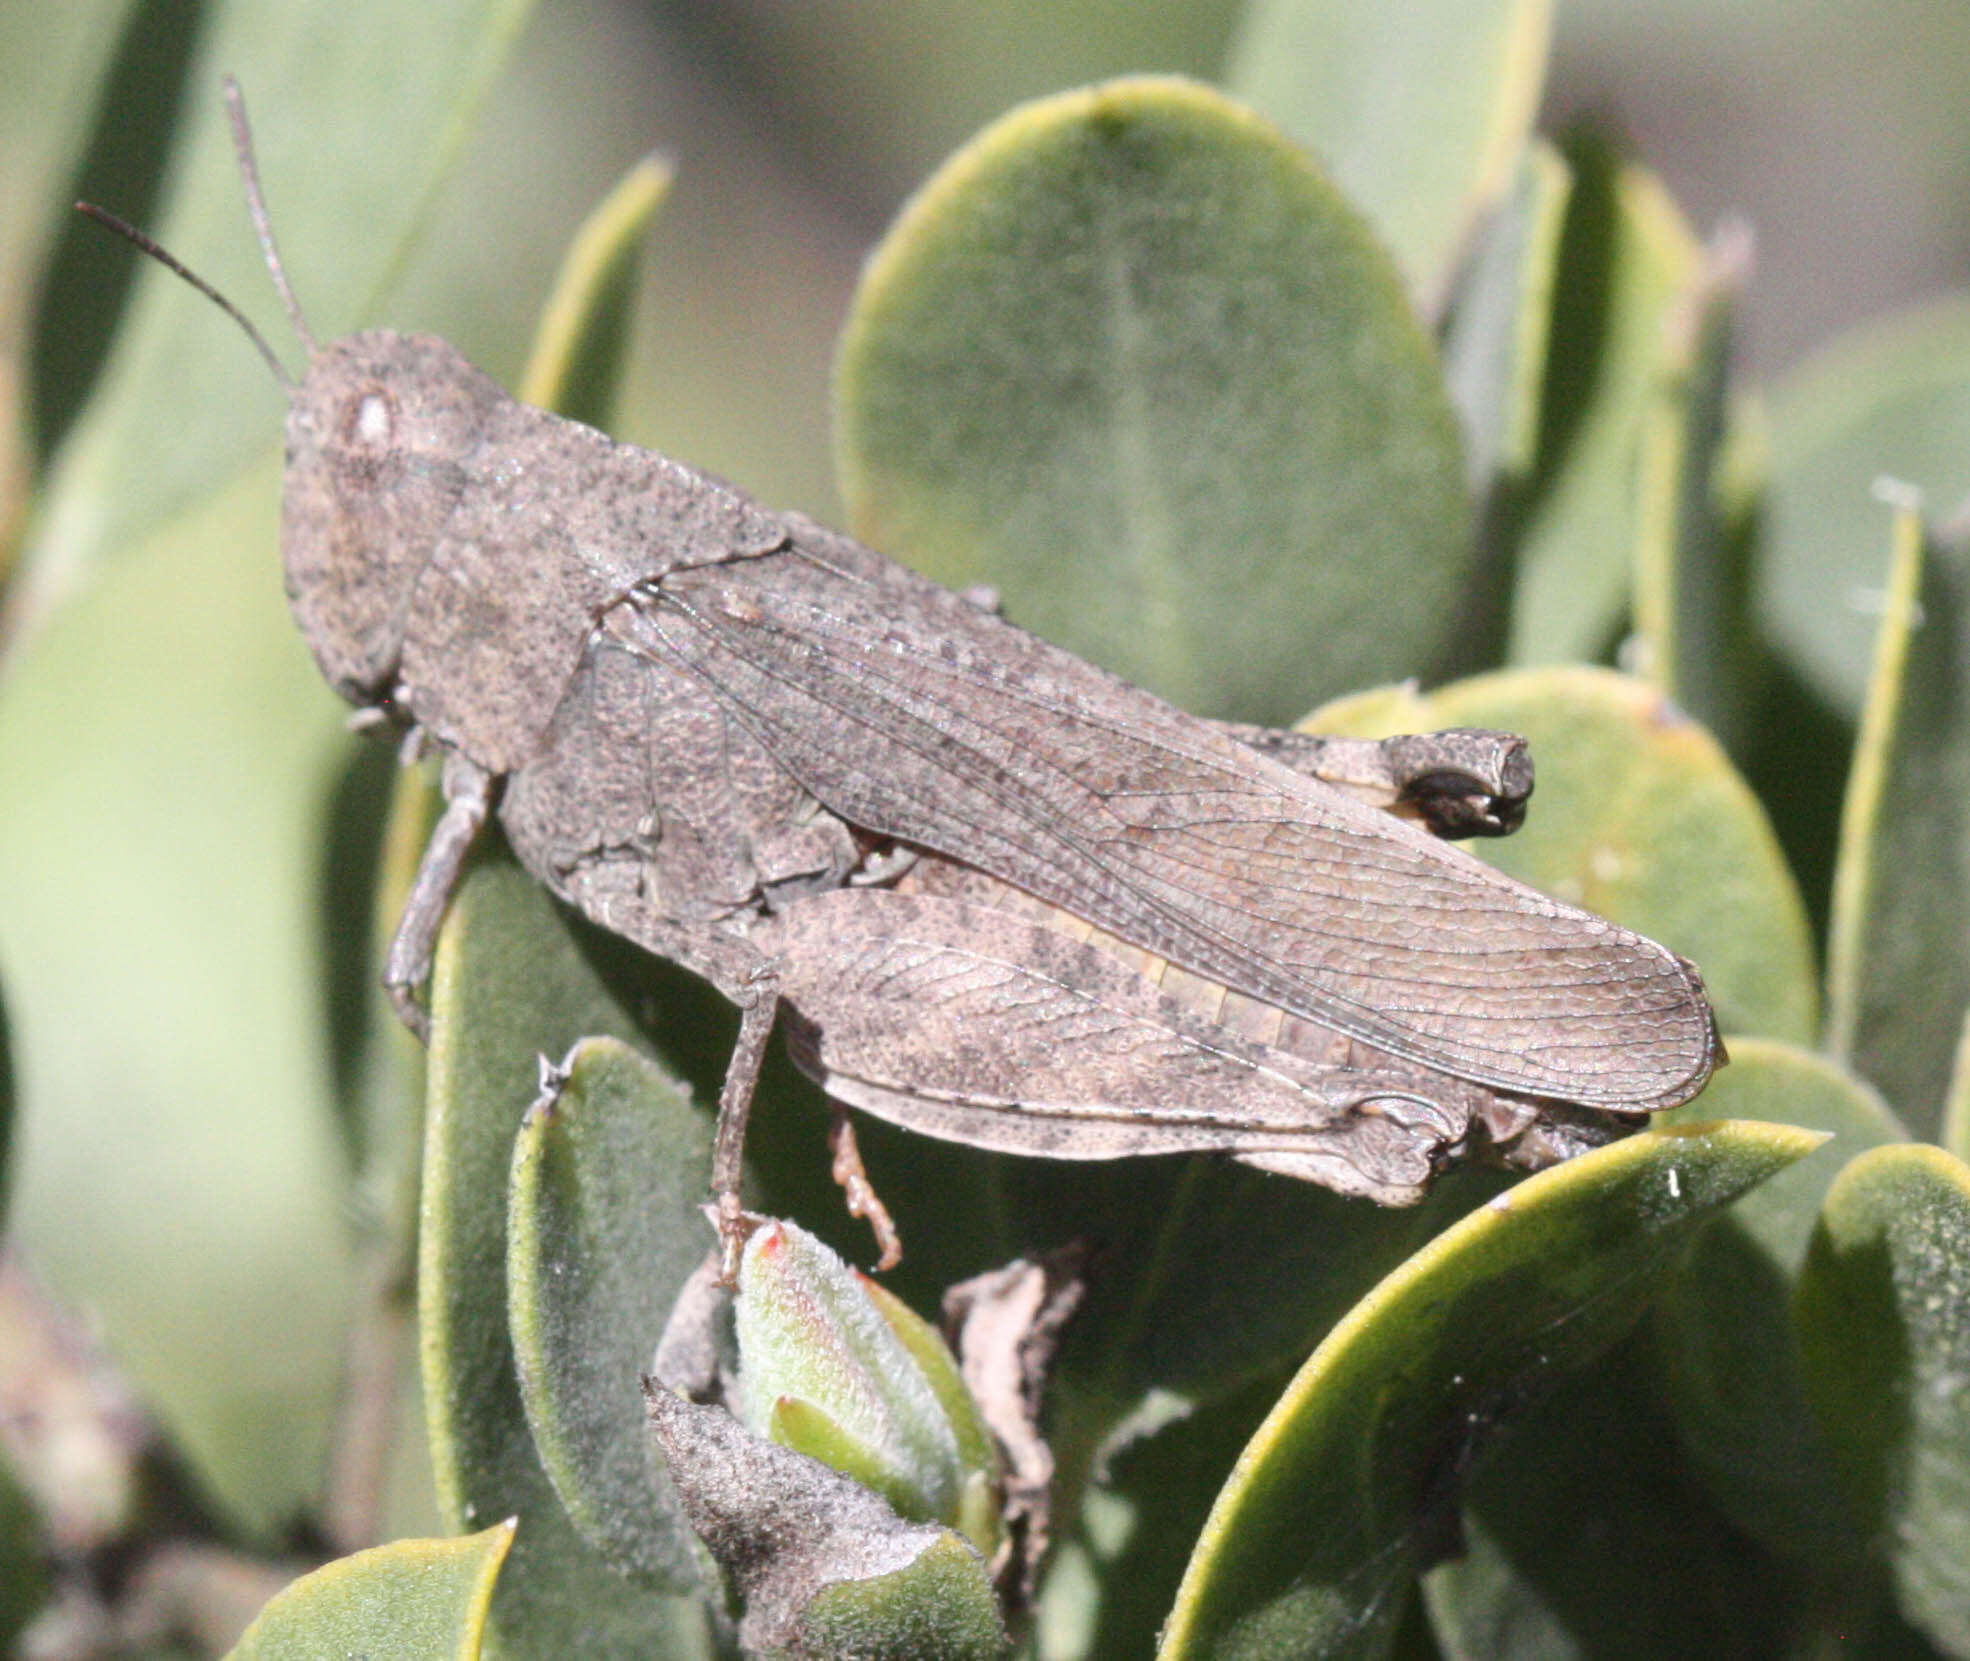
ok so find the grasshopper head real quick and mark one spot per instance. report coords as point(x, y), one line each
point(377, 436)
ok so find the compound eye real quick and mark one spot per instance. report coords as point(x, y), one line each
point(369, 420)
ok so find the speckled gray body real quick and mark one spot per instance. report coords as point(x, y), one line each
point(1003, 896)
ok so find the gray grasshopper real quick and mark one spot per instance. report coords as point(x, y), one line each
point(997, 894)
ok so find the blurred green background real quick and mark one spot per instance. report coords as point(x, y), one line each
point(1839, 129)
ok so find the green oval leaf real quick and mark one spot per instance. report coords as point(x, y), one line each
point(1627, 260)
point(1890, 399)
point(604, 1225)
point(1326, 1518)
point(415, 1600)
point(825, 1369)
point(510, 986)
point(1639, 816)
point(1884, 1320)
point(978, 1454)
point(1130, 358)
point(1781, 1084)
point(940, 1608)
point(1898, 952)
point(1420, 116)
point(1724, 1325)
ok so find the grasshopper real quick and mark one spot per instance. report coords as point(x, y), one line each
point(997, 894)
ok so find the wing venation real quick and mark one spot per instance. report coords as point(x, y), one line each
point(941, 725)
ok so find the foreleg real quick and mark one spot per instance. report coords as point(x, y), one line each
point(468, 792)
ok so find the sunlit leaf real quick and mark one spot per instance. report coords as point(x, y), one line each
point(416, 1600)
point(1898, 954)
point(1331, 1509)
point(1130, 358)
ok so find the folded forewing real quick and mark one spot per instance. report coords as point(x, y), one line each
point(937, 723)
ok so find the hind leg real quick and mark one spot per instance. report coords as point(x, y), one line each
point(976, 1025)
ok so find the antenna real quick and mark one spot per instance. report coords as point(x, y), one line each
point(256, 205)
point(130, 233)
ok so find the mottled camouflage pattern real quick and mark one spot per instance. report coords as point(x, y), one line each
point(1002, 896)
